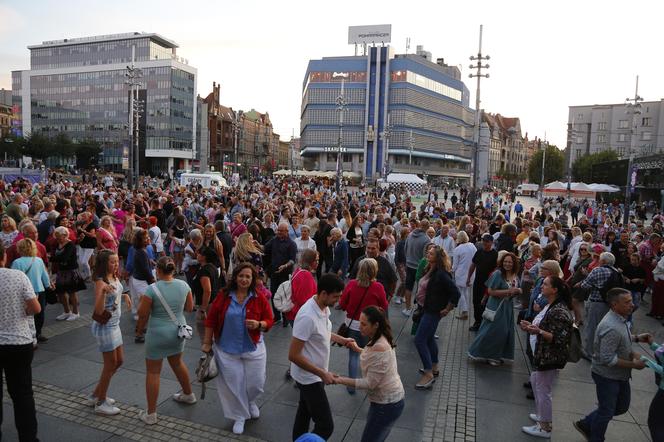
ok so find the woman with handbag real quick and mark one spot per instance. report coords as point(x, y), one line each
point(235, 323)
point(549, 340)
point(106, 327)
point(67, 281)
point(494, 342)
point(441, 295)
point(34, 268)
point(164, 304)
point(379, 375)
point(359, 294)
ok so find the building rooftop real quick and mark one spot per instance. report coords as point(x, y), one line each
point(102, 38)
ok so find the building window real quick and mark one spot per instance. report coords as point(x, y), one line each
point(621, 151)
point(579, 117)
point(623, 124)
point(646, 136)
point(646, 121)
point(579, 140)
point(601, 138)
point(622, 137)
point(601, 125)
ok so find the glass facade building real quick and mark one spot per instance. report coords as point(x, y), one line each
point(403, 109)
point(78, 86)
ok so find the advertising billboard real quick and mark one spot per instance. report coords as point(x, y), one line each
point(369, 34)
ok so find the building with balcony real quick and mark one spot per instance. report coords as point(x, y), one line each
point(220, 126)
point(258, 145)
point(77, 86)
point(602, 127)
point(402, 109)
point(508, 153)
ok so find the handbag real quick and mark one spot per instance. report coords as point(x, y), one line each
point(206, 370)
point(105, 315)
point(184, 331)
point(344, 329)
point(490, 315)
point(575, 345)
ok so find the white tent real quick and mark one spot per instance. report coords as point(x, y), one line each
point(406, 178)
point(555, 186)
point(603, 188)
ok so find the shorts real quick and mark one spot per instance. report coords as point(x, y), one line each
point(410, 278)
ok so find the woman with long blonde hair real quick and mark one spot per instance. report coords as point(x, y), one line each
point(246, 250)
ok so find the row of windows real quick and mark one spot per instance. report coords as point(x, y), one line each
point(331, 117)
point(427, 83)
point(432, 104)
point(331, 138)
point(329, 96)
point(402, 117)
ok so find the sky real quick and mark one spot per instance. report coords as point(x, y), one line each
point(545, 56)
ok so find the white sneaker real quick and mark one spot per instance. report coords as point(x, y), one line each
point(149, 419)
point(135, 317)
point(91, 401)
point(536, 431)
point(106, 409)
point(534, 417)
point(254, 411)
point(185, 398)
point(407, 312)
point(398, 300)
point(62, 317)
point(73, 317)
point(238, 427)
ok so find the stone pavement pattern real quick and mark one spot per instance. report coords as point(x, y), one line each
point(469, 402)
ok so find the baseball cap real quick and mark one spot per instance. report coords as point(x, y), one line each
point(487, 237)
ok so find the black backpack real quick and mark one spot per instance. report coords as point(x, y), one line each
point(615, 280)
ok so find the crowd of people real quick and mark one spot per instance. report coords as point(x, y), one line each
point(283, 252)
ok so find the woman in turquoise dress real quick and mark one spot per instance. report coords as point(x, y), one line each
point(162, 340)
point(494, 342)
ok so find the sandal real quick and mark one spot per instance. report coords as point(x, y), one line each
point(436, 373)
point(139, 340)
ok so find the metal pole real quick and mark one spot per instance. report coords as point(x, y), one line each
point(137, 154)
point(410, 152)
point(474, 168)
point(292, 153)
point(341, 102)
point(636, 110)
point(572, 134)
point(546, 144)
point(130, 180)
point(236, 129)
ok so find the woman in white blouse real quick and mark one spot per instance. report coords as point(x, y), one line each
point(462, 258)
point(379, 375)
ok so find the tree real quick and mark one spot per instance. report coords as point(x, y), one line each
point(582, 167)
point(62, 146)
point(88, 153)
point(553, 167)
point(38, 146)
point(11, 146)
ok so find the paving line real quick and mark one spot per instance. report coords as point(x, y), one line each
point(70, 406)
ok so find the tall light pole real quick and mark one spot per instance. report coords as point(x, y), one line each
point(410, 152)
point(633, 106)
point(132, 76)
point(292, 154)
point(341, 104)
point(478, 66)
point(571, 136)
point(385, 135)
point(236, 130)
point(546, 145)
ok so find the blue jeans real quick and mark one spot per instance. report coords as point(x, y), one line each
point(425, 342)
point(354, 371)
point(613, 399)
point(380, 419)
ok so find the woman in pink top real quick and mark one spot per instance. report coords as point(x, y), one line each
point(119, 218)
point(303, 284)
point(359, 294)
point(106, 238)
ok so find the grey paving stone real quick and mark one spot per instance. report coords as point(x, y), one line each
point(67, 372)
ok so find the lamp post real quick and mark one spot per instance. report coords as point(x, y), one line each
point(410, 152)
point(236, 130)
point(571, 136)
point(478, 66)
point(341, 104)
point(292, 155)
point(385, 136)
point(132, 76)
point(632, 106)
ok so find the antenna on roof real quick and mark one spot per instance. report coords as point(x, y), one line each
point(407, 45)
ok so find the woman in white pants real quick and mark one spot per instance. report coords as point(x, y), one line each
point(236, 320)
point(462, 258)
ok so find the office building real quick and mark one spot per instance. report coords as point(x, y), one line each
point(423, 105)
point(602, 127)
point(77, 86)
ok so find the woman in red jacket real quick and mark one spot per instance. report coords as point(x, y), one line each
point(235, 321)
point(359, 294)
point(303, 283)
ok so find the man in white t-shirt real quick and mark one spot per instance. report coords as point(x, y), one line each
point(155, 236)
point(304, 241)
point(309, 355)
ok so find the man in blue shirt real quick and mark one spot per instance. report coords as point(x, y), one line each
point(518, 209)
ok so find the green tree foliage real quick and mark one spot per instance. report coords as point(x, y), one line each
point(38, 146)
point(553, 167)
point(582, 167)
point(11, 146)
point(88, 153)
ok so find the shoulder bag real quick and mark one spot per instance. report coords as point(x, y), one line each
point(206, 370)
point(490, 315)
point(344, 329)
point(184, 331)
point(105, 315)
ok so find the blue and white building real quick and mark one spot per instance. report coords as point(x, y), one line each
point(426, 105)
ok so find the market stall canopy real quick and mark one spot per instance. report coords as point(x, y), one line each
point(407, 178)
point(603, 188)
point(555, 186)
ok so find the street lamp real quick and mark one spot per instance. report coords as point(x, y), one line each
point(632, 106)
point(385, 135)
point(236, 130)
point(132, 76)
point(341, 104)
